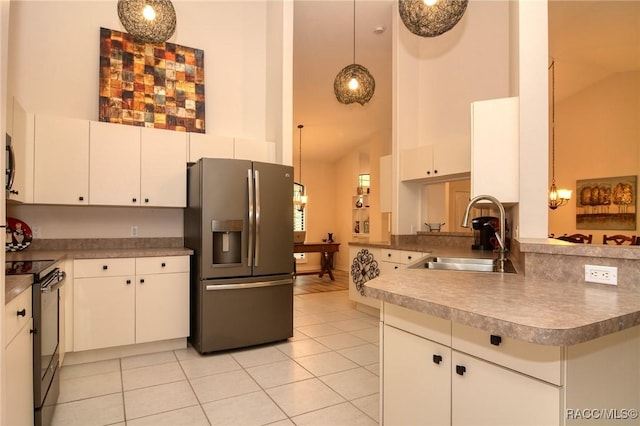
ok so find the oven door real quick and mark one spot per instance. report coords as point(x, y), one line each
point(45, 345)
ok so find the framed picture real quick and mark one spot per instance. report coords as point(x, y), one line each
point(606, 203)
point(152, 85)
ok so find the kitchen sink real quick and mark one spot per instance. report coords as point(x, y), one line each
point(464, 264)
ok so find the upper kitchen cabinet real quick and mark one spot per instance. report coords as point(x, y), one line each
point(163, 168)
point(495, 149)
point(20, 156)
point(255, 150)
point(202, 145)
point(61, 160)
point(133, 166)
point(435, 162)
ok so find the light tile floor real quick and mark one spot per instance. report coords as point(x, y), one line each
point(327, 374)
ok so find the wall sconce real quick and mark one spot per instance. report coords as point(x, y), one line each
point(431, 18)
point(149, 21)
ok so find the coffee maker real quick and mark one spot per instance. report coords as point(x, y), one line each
point(484, 232)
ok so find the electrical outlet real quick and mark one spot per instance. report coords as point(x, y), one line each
point(134, 231)
point(35, 231)
point(601, 274)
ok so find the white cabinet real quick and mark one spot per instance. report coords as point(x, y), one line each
point(417, 383)
point(497, 380)
point(132, 166)
point(250, 149)
point(22, 147)
point(435, 162)
point(61, 160)
point(495, 153)
point(125, 301)
point(18, 361)
point(162, 298)
point(369, 262)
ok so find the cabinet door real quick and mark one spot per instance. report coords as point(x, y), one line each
point(451, 159)
point(249, 149)
point(114, 164)
point(495, 139)
point(162, 306)
point(416, 163)
point(19, 379)
point(61, 174)
point(491, 395)
point(202, 145)
point(417, 380)
point(163, 168)
point(103, 312)
point(22, 145)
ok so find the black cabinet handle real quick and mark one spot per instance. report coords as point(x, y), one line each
point(146, 200)
point(428, 172)
point(13, 191)
point(435, 172)
point(105, 267)
point(141, 280)
point(81, 198)
point(135, 200)
point(437, 359)
point(22, 313)
point(163, 264)
point(395, 267)
point(388, 254)
point(128, 282)
point(495, 340)
point(409, 257)
point(461, 369)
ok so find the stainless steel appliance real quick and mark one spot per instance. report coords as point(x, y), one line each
point(239, 223)
point(47, 279)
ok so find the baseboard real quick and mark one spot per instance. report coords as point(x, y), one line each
point(71, 358)
point(368, 310)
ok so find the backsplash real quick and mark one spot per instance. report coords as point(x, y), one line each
point(105, 243)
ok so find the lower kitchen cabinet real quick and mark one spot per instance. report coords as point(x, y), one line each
point(125, 301)
point(18, 359)
point(417, 385)
point(470, 377)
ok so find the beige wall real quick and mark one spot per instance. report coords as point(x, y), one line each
point(597, 135)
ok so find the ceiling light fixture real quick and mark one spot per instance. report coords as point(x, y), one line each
point(299, 197)
point(354, 83)
point(431, 18)
point(557, 197)
point(148, 21)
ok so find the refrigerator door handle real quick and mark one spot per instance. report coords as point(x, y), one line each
point(251, 219)
point(256, 250)
point(211, 287)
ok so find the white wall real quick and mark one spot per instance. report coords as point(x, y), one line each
point(436, 79)
point(54, 67)
point(597, 136)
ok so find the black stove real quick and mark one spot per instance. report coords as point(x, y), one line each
point(21, 267)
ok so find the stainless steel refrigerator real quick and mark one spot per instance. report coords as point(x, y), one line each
point(239, 222)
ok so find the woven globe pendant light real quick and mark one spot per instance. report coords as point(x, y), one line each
point(148, 21)
point(431, 18)
point(354, 83)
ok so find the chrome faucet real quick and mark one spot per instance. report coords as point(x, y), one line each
point(500, 237)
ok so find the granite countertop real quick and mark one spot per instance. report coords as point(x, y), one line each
point(16, 284)
point(533, 310)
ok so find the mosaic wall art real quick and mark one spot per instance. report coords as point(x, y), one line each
point(153, 85)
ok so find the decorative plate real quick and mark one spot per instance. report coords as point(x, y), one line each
point(18, 235)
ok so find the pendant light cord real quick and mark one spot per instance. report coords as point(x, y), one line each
point(354, 31)
point(300, 126)
point(553, 121)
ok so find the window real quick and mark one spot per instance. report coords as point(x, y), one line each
point(364, 180)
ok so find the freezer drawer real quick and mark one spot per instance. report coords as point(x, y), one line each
point(231, 315)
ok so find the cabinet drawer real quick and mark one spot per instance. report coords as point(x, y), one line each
point(409, 256)
point(162, 265)
point(387, 255)
point(543, 362)
point(83, 268)
point(14, 322)
point(418, 323)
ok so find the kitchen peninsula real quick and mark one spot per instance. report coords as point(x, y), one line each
point(487, 348)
